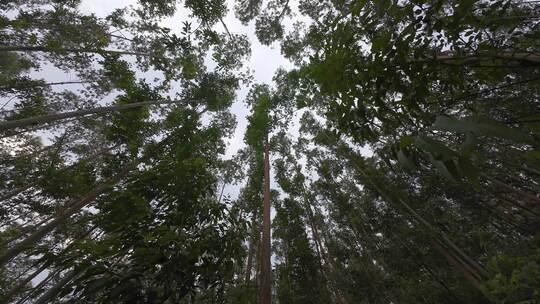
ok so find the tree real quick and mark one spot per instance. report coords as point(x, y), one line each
point(404, 145)
point(433, 87)
point(257, 137)
point(112, 162)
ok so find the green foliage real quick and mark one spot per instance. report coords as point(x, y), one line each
point(247, 10)
point(515, 277)
point(411, 177)
point(214, 90)
point(480, 126)
point(259, 123)
point(208, 11)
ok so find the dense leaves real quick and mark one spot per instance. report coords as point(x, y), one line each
point(404, 147)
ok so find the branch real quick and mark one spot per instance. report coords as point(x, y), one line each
point(19, 123)
point(525, 57)
point(23, 48)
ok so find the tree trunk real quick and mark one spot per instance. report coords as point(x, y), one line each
point(466, 273)
point(530, 170)
point(54, 290)
point(249, 264)
point(266, 266)
point(482, 273)
point(31, 184)
point(5, 125)
point(423, 265)
point(523, 57)
point(37, 85)
point(529, 198)
point(66, 50)
point(459, 256)
point(74, 207)
point(39, 286)
point(322, 256)
point(22, 283)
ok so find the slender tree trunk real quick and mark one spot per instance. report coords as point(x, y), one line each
point(249, 263)
point(31, 184)
point(36, 128)
point(24, 230)
point(530, 170)
point(5, 125)
point(322, 256)
point(482, 273)
point(39, 286)
point(529, 198)
point(74, 207)
point(459, 257)
point(54, 290)
point(62, 83)
point(23, 48)
point(266, 266)
point(49, 84)
point(509, 56)
point(221, 192)
point(259, 255)
point(466, 272)
point(21, 284)
point(511, 201)
point(421, 264)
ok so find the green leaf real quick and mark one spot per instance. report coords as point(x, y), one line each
point(405, 161)
point(406, 141)
point(480, 126)
point(532, 159)
point(379, 43)
point(446, 168)
point(436, 148)
point(468, 170)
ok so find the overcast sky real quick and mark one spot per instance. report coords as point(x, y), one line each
point(264, 60)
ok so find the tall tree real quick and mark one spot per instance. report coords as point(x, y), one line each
point(257, 137)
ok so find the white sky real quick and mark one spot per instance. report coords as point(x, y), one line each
point(264, 60)
point(263, 63)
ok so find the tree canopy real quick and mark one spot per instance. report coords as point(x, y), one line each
point(397, 160)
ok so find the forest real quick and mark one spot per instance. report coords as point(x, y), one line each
point(394, 158)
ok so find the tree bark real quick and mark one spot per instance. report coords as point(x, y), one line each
point(48, 84)
point(6, 125)
point(53, 291)
point(251, 248)
point(74, 207)
point(466, 273)
point(266, 266)
point(529, 198)
point(39, 286)
point(23, 48)
point(22, 283)
point(322, 256)
point(29, 185)
point(459, 256)
point(449, 57)
point(530, 170)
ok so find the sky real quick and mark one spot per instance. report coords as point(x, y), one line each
point(264, 61)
